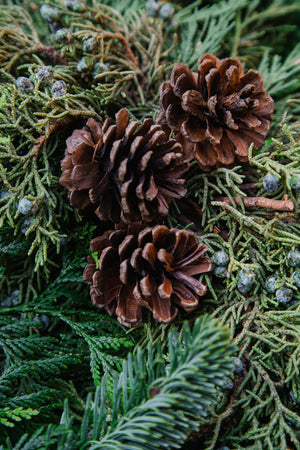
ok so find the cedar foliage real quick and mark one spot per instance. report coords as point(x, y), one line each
point(63, 369)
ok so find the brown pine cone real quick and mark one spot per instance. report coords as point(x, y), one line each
point(126, 171)
point(218, 111)
point(140, 266)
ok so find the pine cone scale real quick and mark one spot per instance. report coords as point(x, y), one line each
point(253, 78)
point(116, 237)
point(193, 103)
point(83, 155)
point(79, 139)
point(179, 71)
point(163, 206)
point(175, 116)
point(167, 95)
point(147, 286)
point(231, 76)
point(177, 171)
point(225, 151)
point(145, 236)
point(141, 299)
point(130, 130)
point(183, 297)
point(95, 193)
point(113, 156)
point(191, 256)
point(178, 193)
point(146, 129)
point(214, 132)
point(183, 83)
point(129, 312)
point(206, 155)
point(89, 272)
point(65, 179)
point(66, 163)
point(251, 121)
point(191, 269)
point(79, 199)
point(85, 176)
point(152, 190)
point(126, 247)
point(99, 244)
point(144, 161)
point(126, 274)
point(240, 144)
point(136, 258)
point(229, 121)
point(122, 119)
point(149, 254)
point(107, 123)
point(109, 135)
point(165, 289)
point(109, 258)
point(160, 235)
point(213, 80)
point(261, 108)
point(135, 146)
point(182, 245)
point(98, 299)
point(195, 285)
point(166, 258)
point(105, 285)
point(96, 130)
point(163, 311)
point(193, 130)
point(157, 138)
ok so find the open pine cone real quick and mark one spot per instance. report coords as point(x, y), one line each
point(217, 110)
point(125, 171)
point(140, 266)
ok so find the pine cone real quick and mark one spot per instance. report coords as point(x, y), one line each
point(217, 110)
point(125, 171)
point(147, 267)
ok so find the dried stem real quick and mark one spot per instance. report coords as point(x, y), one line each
point(40, 141)
point(52, 54)
point(262, 202)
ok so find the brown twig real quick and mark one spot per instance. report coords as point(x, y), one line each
point(52, 54)
point(248, 187)
point(262, 202)
point(40, 141)
point(48, 51)
point(128, 51)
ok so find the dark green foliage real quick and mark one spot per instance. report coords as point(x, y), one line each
point(40, 367)
point(148, 406)
point(31, 368)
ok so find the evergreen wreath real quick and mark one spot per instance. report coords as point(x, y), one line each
point(140, 135)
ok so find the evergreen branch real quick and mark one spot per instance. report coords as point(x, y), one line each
point(215, 22)
point(199, 359)
point(281, 78)
point(148, 426)
point(8, 416)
